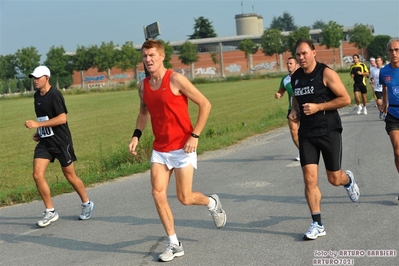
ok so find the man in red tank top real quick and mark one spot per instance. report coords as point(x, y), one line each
point(164, 96)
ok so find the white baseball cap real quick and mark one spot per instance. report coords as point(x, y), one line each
point(372, 59)
point(40, 71)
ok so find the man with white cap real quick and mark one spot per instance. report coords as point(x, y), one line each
point(373, 63)
point(54, 142)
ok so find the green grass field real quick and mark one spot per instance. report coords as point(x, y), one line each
point(102, 124)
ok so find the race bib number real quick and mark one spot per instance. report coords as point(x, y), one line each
point(44, 132)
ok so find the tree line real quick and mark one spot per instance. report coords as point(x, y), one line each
point(14, 68)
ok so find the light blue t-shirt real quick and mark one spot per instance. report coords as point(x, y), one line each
point(389, 77)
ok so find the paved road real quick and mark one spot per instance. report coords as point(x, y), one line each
point(261, 189)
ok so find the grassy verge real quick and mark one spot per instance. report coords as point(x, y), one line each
point(102, 124)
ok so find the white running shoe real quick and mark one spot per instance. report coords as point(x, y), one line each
point(359, 109)
point(315, 230)
point(48, 217)
point(218, 214)
point(172, 251)
point(87, 211)
point(365, 110)
point(353, 189)
point(298, 158)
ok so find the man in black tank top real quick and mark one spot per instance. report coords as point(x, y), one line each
point(318, 93)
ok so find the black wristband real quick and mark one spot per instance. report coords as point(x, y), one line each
point(194, 135)
point(137, 133)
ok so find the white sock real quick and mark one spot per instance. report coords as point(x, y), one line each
point(50, 210)
point(173, 239)
point(212, 203)
point(86, 203)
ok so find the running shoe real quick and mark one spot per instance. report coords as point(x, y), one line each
point(365, 110)
point(352, 189)
point(87, 211)
point(315, 230)
point(218, 214)
point(298, 158)
point(172, 251)
point(359, 109)
point(381, 115)
point(48, 217)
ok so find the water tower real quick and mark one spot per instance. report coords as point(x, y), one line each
point(249, 24)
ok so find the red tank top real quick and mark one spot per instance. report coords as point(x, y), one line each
point(170, 120)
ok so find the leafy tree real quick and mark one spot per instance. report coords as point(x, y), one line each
point(188, 54)
point(105, 59)
point(128, 58)
point(318, 24)
point(7, 69)
point(332, 34)
point(273, 43)
point(361, 36)
point(249, 48)
point(168, 54)
point(283, 23)
point(65, 81)
point(300, 33)
point(215, 59)
point(59, 64)
point(378, 47)
point(84, 60)
point(27, 59)
point(202, 29)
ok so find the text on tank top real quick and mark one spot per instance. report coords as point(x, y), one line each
point(310, 88)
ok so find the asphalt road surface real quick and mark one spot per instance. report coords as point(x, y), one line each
point(262, 192)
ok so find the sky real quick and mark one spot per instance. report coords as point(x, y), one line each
point(72, 23)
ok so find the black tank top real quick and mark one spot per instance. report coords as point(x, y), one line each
point(310, 88)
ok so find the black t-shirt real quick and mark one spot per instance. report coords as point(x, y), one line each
point(49, 106)
point(310, 88)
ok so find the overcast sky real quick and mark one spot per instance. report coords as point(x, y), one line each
point(69, 23)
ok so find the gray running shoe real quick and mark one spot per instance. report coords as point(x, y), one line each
point(218, 214)
point(172, 251)
point(315, 230)
point(48, 217)
point(86, 211)
point(353, 189)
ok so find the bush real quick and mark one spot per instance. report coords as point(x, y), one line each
point(133, 84)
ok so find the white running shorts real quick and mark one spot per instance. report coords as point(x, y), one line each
point(174, 159)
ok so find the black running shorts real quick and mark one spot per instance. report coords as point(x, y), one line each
point(330, 147)
point(64, 154)
point(360, 87)
point(391, 123)
point(378, 94)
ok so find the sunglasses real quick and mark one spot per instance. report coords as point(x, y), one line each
point(395, 49)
